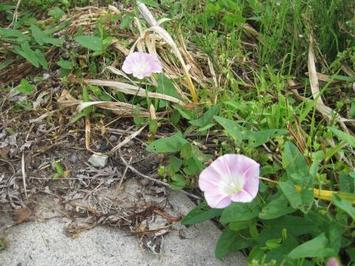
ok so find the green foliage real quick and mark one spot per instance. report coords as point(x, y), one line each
point(31, 47)
point(200, 214)
point(317, 247)
point(58, 170)
point(65, 64)
point(345, 206)
point(238, 212)
point(2, 244)
point(173, 143)
point(178, 170)
point(347, 138)
point(225, 243)
point(25, 87)
point(42, 38)
point(166, 86)
point(93, 43)
point(56, 13)
point(240, 133)
point(36, 57)
point(276, 208)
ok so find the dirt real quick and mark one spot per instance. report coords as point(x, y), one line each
point(34, 142)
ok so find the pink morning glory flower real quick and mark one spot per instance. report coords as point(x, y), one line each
point(333, 262)
point(141, 65)
point(230, 178)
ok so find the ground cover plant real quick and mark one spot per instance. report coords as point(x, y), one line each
point(272, 81)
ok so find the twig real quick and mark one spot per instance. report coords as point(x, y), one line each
point(127, 140)
point(23, 169)
point(326, 111)
point(134, 170)
point(14, 18)
point(124, 174)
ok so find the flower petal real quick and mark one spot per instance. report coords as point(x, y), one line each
point(333, 262)
point(251, 186)
point(242, 196)
point(209, 179)
point(231, 177)
point(218, 201)
point(239, 164)
point(141, 65)
point(222, 165)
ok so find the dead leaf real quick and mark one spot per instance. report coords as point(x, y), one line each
point(21, 215)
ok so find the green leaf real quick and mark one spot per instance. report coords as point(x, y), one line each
point(276, 208)
point(200, 214)
point(185, 113)
point(317, 247)
point(26, 52)
point(240, 212)
point(56, 13)
point(106, 43)
point(344, 205)
point(177, 181)
point(99, 93)
point(193, 166)
point(260, 137)
point(7, 6)
point(25, 87)
point(166, 86)
point(225, 243)
point(173, 166)
point(231, 127)
point(59, 170)
point(347, 138)
point(41, 59)
point(294, 225)
point(65, 64)
point(93, 43)
point(36, 58)
point(126, 20)
point(11, 33)
point(335, 237)
point(347, 182)
point(206, 118)
point(173, 143)
point(294, 163)
point(299, 200)
point(255, 138)
point(298, 173)
point(237, 226)
point(43, 38)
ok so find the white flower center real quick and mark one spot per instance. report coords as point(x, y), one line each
point(232, 184)
point(141, 67)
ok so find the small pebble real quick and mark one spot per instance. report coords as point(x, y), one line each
point(113, 138)
point(73, 158)
point(98, 160)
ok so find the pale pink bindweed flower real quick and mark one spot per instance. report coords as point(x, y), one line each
point(230, 178)
point(333, 262)
point(141, 65)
